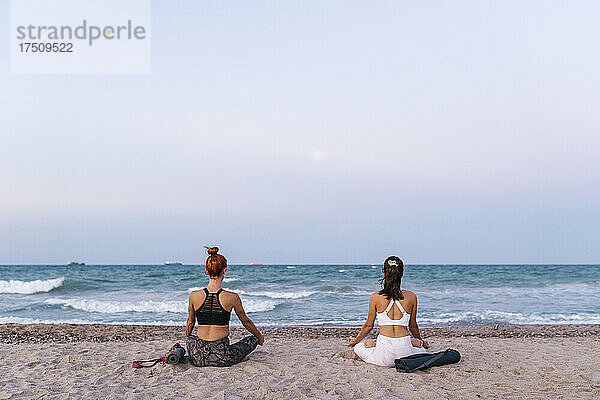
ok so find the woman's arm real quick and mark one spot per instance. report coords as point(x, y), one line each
point(247, 322)
point(368, 326)
point(191, 321)
point(412, 324)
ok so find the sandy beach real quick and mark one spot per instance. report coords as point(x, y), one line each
point(94, 361)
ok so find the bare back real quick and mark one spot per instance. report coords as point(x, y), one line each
point(213, 332)
point(408, 307)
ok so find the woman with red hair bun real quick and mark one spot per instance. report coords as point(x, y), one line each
point(211, 308)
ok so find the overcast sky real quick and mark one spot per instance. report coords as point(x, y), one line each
point(316, 132)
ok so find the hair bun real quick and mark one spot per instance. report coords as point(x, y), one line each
point(393, 261)
point(212, 250)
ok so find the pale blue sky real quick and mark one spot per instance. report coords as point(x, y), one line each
point(316, 132)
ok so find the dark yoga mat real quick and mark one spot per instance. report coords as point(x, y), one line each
point(175, 356)
point(421, 361)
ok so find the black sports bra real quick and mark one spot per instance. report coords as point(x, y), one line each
point(211, 312)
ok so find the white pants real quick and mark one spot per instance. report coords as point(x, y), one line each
point(386, 350)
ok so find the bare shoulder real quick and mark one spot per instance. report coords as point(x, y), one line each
point(229, 296)
point(196, 297)
point(376, 296)
point(378, 300)
point(229, 293)
point(410, 297)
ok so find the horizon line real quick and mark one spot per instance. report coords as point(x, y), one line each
point(281, 264)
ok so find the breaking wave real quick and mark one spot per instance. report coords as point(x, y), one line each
point(114, 306)
point(30, 287)
point(147, 306)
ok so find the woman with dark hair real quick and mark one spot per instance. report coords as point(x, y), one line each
point(396, 312)
point(211, 308)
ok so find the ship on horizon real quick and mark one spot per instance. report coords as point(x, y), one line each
point(173, 263)
point(75, 264)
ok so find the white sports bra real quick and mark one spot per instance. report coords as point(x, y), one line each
point(384, 319)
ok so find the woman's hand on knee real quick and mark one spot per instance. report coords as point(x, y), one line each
point(369, 343)
point(420, 343)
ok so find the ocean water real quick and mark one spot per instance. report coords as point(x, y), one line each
point(301, 295)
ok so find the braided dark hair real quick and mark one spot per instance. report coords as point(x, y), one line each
point(393, 269)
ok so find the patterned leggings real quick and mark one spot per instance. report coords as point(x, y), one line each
point(218, 353)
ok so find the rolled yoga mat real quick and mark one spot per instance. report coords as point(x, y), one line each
point(175, 356)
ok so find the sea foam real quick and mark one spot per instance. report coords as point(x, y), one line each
point(255, 305)
point(21, 320)
point(147, 306)
point(279, 295)
point(495, 316)
point(114, 306)
point(30, 287)
point(262, 293)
